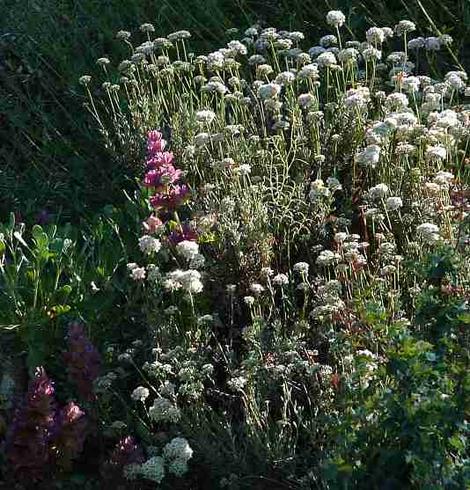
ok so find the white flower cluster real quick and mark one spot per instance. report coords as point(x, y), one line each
point(140, 394)
point(163, 410)
point(149, 244)
point(189, 281)
point(177, 453)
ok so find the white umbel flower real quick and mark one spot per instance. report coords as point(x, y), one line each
point(187, 249)
point(369, 157)
point(149, 244)
point(205, 116)
point(140, 394)
point(301, 268)
point(326, 59)
point(428, 232)
point(393, 203)
point(379, 191)
point(335, 18)
point(436, 152)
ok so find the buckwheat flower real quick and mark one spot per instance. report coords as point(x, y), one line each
point(123, 35)
point(163, 410)
point(396, 101)
point(393, 203)
point(375, 35)
point(264, 70)
point(335, 18)
point(251, 32)
point(348, 55)
point(215, 87)
point(328, 41)
point(152, 224)
point(397, 58)
point(178, 449)
point(244, 169)
point(446, 40)
point(149, 244)
point(369, 157)
point(137, 274)
point(84, 80)
point(432, 43)
point(256, 59)
point(269, 90)
point(428, 232)
point(179, 35)
point(445, 119)
point(404, 27)
point(283, 44)
point(266, 272)
point(140, 394)
point(269, 33)
point(436, 153)
point(318, 190)
point(416, 43)
point(147, 27)
point(237, 47)
point(357, 98)
point(280, 280)
point(379, 191)
point(205, 116)
point(249, 300)
point(285, 78)
point(405, 149)
point(306, 100)
point(340, 237)
point(326, 59)
point(191, 281)
point(455, 81)
point(411, 84)
point(315, 51)
point(256, 289)
point(301, 268)
point(309, 71)
point(187, 249)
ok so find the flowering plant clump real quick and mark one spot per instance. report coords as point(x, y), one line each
point(295, 294)
point(329, 193)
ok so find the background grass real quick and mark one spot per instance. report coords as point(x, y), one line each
point(50, 156)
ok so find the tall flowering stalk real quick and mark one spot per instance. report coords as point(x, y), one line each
point(162, 175)
point(83, 361)
point(27, 445)
point(42, 434)
point(70, 434)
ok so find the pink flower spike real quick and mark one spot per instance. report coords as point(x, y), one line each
point(160, 158)
point(175, 196)
point(155, 142)
point(162, 176)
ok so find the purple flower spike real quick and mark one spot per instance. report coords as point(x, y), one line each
point(83, 361)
